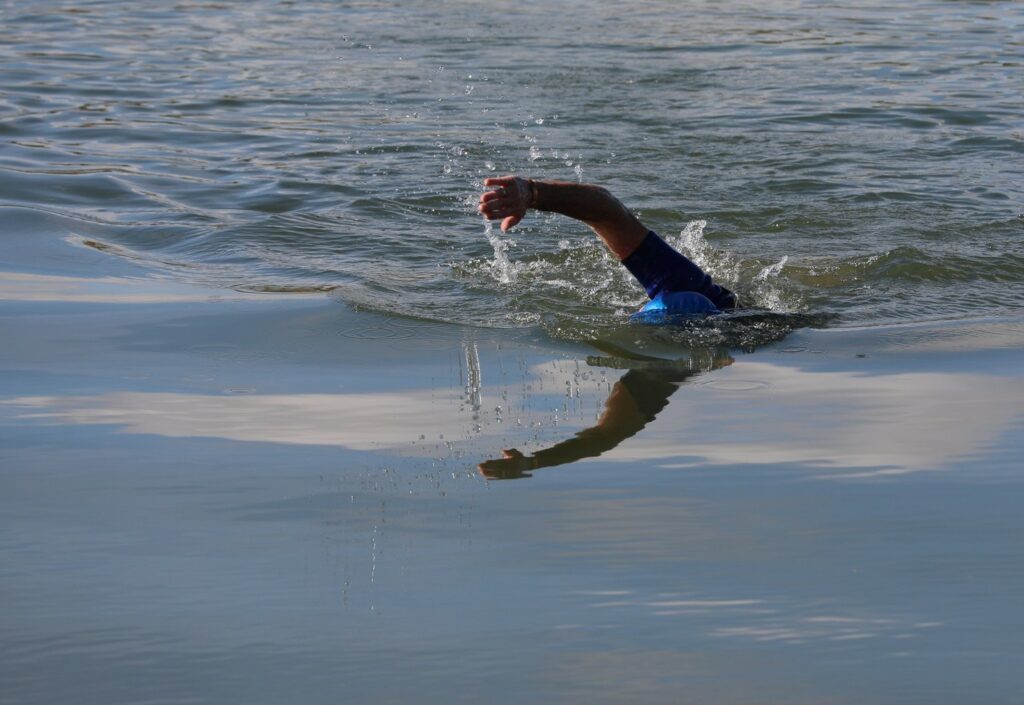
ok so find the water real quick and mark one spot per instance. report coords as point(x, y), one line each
point(859, 164)
point(268, 484)
point(238, 502)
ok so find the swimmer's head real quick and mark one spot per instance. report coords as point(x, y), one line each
point(676, 303)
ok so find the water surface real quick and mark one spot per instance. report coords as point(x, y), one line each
point(860, 162)
point(256, 342)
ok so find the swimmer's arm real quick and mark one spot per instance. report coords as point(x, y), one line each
point(512, 196)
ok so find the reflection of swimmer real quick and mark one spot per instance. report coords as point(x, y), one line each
point(634, 401)
point(675, 285)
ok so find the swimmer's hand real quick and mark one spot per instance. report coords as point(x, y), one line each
point(511, 467)
point(508, 200)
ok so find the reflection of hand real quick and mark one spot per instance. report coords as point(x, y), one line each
point(512, 466)
point(509, 201)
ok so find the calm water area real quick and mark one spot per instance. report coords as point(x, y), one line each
point(260, 358)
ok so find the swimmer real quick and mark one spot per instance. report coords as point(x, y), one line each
point(675, 285)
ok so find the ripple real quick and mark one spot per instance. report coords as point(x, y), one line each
point(377, 332)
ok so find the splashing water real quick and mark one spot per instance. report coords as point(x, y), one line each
point(771, 270)
point(767, 291)
point(581, 292)
point(502, 268)
point(692, 243)
point(764, 289)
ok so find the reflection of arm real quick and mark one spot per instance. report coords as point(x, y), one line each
point(634, 402)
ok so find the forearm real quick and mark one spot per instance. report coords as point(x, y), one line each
point(585, 202)
point(620, 230)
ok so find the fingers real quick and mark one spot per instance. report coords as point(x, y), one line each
point(499, 180)
point(507, 215)
point(495, 200)
point(503, 203)
point(504, 192)
point(495, 207)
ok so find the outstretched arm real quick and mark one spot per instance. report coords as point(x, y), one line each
point(511, 197)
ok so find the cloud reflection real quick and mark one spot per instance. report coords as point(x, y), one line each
point(357, 421)
point(878, 423)
point(844, 422)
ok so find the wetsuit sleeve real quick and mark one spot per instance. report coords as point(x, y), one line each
point(662, 270)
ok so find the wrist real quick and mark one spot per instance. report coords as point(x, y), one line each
point(534, 193)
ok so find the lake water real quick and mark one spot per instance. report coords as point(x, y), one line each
point(255, 341)
point(864, 161)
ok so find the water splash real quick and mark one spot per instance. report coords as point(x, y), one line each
point(763, 288)
point(722, 266)
point(771, 270)
point(501, 267)
point(767, 288)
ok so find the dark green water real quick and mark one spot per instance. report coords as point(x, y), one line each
point(859, 163)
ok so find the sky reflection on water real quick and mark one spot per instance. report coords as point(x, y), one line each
point(199, 494)
point(842, 422)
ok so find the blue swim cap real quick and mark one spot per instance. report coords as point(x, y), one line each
point(676, 303)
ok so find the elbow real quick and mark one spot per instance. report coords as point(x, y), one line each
point(608, 209)
point(608, 201)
